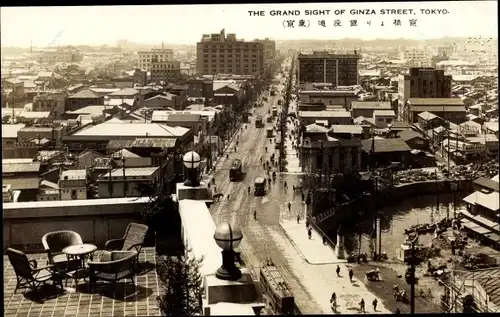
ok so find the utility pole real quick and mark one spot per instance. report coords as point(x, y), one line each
point(410, 278)
point(125, 189)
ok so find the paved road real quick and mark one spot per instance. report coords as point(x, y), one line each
point(263, 238)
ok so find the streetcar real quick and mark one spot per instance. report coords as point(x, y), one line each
point(260, 186)
point(275, 111)
point(270, 132)
point(276, 292)
point(235, 173)
point(258, 122)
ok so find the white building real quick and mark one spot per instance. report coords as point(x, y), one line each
point(73, 184)
point(415, 56)
point(145, 58)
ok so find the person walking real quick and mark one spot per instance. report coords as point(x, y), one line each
point(333, 300)
point(338, 270)
point(289, 206)
point(309, 233)
point(362, 306)
point(255, 215)
point(374, 303)
point(351, 274)
point(298, 218)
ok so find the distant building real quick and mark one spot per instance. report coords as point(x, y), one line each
point(65, 55)
point(52, 102)
point(201, 87)
point(146, 58)
point(220, 54)
point(84, 98)
point(422, 83)
point(114, 184)
point(269, 50)
point(165, 71)
point(325, 67)
point(329, 97)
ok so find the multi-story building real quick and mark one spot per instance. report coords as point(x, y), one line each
point(218, 53)
point(269, 50)
point(53, 102)
point(415, 56)
point(73, 184)
point(59, 55)
point(325, 67)
point(166, 71)
point(145, 58)
point(422, 82)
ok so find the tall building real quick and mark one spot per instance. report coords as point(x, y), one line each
point(422, 82)
point(166, 71)
point(65, 55)
point(325, 67)
point(220, 54)
point(269, 50)
point(145, 58)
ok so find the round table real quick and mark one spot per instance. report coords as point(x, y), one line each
point(78, 251)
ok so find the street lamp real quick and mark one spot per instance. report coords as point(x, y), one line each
point(191, 161)
point(228, 238)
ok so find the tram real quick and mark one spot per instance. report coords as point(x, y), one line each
point(235, 173)
point(276, 292)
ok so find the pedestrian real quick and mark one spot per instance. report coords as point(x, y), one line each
point(375, 301)
point(302, 194)
point(255, 215)
point(338, 270)
point(298, 218)
point(249, 189)
point(227, 196)
point(309, 233)
point(235, 149)
point(362, 306)
point(286, 185)
point(333, 299)
point(351, 274)
point(289, 206)
point(227, 156)
point(215, 188)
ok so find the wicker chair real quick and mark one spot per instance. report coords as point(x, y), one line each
point(27, 272)
point(112, 267)
point(54, 242)
point(132, 240)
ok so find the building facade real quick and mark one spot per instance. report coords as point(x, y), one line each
point(221, 54)
point(415, 56)
point(53, 102)
point(422, 83)
point(146, 58)
point(269, 50)
point(325, 67)
point(59, 55)
point(166, 71)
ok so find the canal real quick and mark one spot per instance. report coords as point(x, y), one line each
point(396, 218)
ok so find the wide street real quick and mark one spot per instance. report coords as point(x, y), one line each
point(263, 238)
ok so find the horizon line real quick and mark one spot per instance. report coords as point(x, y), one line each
point(291, 40)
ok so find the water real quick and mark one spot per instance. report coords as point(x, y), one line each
point(395, 219)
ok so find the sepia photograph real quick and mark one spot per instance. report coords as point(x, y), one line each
point(250, 159)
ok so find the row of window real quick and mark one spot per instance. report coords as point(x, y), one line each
point(247, 69)
point(161, 66)
point(230, 46)
point(229, 62)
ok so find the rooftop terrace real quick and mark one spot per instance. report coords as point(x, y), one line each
point(122, 300)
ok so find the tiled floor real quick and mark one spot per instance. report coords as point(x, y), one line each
point(122, 300)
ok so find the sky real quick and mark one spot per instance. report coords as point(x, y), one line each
point(184, 24)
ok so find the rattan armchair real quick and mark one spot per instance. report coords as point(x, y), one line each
point(132, 240)
point(28, 273)
point(112, 267)
point(54, 242)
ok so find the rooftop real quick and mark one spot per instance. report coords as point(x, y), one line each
point(143, 143)
point(328, 92)
point(316, 128)
point(132, 130)
point(131, 172)
point(408, 135)
point(9, 131)
point(118, 301)
point(429, 108)
point(371, 105)
point(31, 167)
point(344, 128)
point(88, 110)
point(387, 113)
point(385, 145)
point(436, 101)
point(74, 174)
point(85, 94)
point(426, 115)
point(125, 92)
point(325, 114)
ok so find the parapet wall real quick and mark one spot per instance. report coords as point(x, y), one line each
point(95, 220)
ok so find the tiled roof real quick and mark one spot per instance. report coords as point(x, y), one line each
point(315, 128)
point(426, 115)
point(436, 101)
point(9, 131)
point(85, 94)
point(125, 153)
point(143, 143)
point(125, 92)
point(183, 117)
point(408, 135)
point(386, 145)
point(125, 129)
point(21, 168)
point(370, 105)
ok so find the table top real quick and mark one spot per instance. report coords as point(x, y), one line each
point(80, 249)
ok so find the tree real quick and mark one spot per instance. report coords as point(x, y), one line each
point(182, 285)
